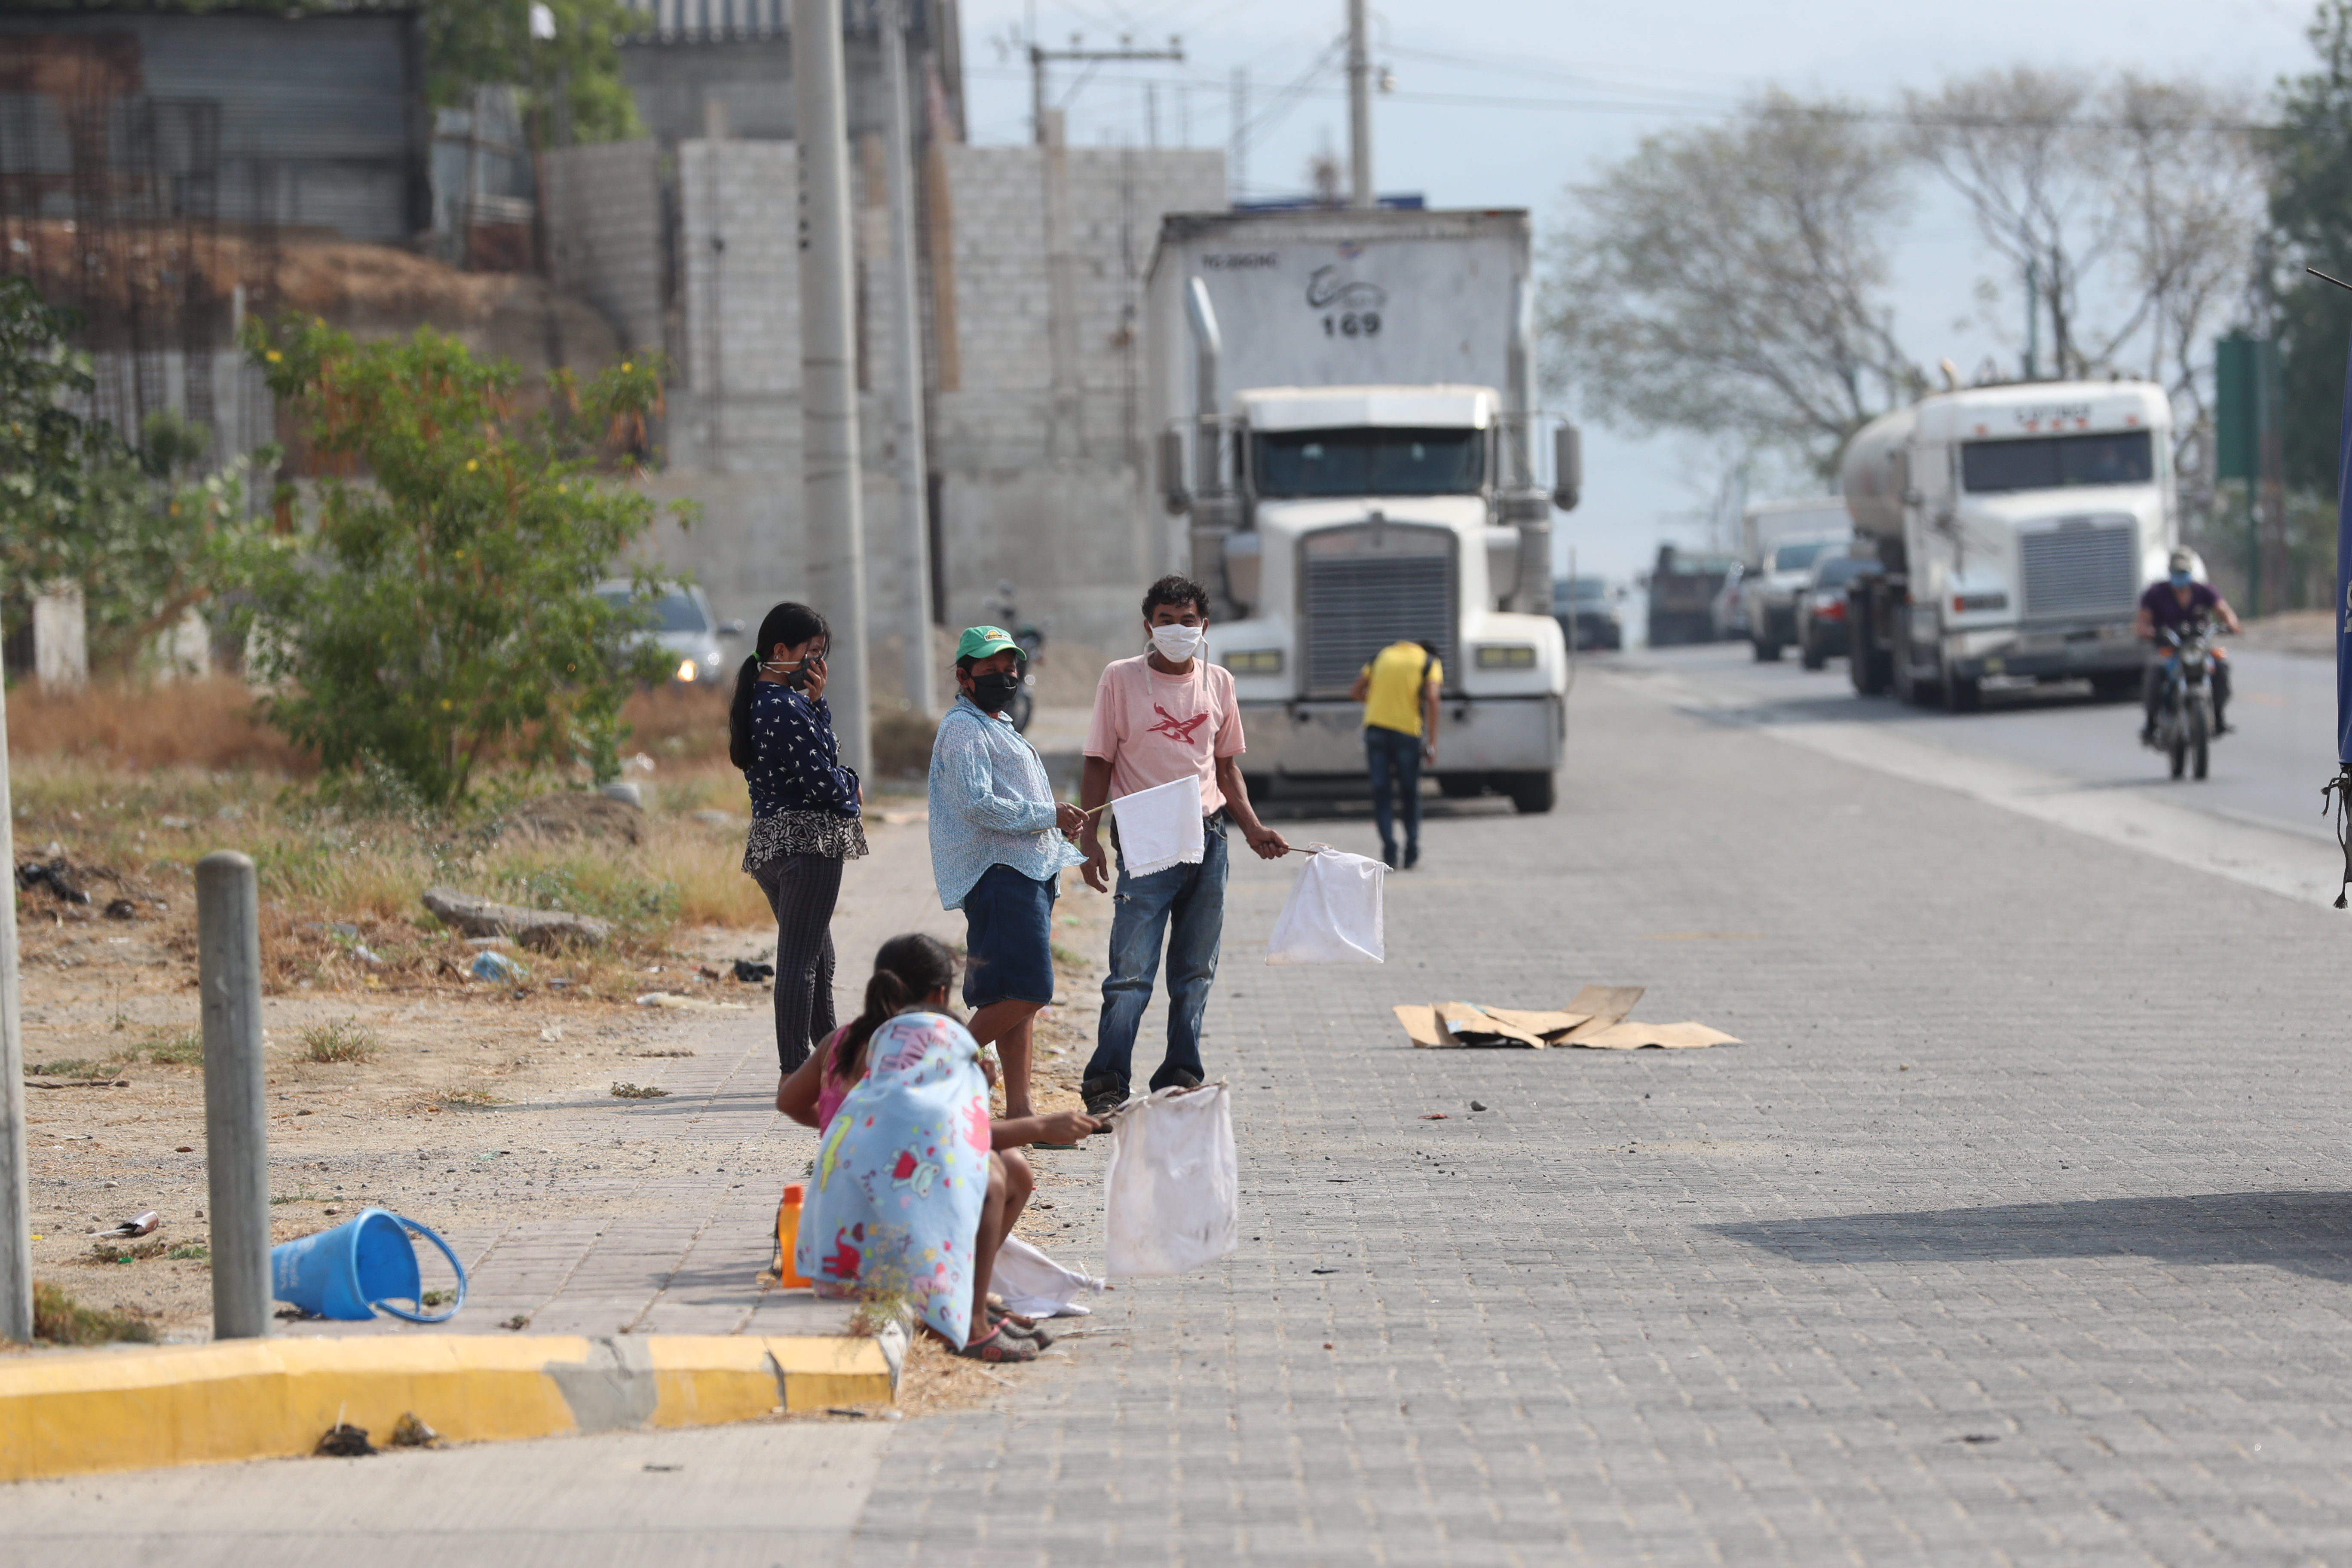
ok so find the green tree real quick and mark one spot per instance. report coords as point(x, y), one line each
point(438, 610)
point(141, 532)
point(47, 451)
point(2310, 152)
point(575, 76)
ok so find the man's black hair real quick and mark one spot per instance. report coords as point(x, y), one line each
point(1175, 590)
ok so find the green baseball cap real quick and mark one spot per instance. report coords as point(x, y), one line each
point(978, 642)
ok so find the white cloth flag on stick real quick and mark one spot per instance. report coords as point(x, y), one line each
point(1160, 827)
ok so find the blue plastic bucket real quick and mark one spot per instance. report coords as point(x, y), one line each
point(347, 1272)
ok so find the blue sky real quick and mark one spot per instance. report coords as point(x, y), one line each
point(1507, 102)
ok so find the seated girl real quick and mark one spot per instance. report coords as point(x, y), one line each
point(915, 1189)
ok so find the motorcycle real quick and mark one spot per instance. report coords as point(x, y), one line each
point(2184, 709)
point(1032, 640)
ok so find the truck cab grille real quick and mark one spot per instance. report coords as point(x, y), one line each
point(1365, 587)
point(2087, 566)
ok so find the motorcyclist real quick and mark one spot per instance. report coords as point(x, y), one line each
point(2174, 605)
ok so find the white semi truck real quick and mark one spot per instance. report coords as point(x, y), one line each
point(1347, 408)
point(2016, 527)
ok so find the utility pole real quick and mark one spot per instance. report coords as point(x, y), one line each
point(1062, 441)
point(15, 1204)
point(914, 523)
point(1237, 161)
point(830, 500)
point(1360, 107)
point(1040, 57)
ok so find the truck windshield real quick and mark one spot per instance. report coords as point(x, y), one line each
point(2056, 462)
point(1377, 462)
point(1796, 557)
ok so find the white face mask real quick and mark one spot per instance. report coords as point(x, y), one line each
point(1176, 643)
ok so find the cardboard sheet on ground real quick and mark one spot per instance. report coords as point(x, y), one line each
point(1593, 1018)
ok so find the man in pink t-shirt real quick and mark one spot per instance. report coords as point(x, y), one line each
point(1159, 717)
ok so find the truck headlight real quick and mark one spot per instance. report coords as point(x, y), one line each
point(686, 670)
point(1256, 661)
point(1506, 656)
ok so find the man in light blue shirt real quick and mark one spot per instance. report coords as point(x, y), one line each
point(997, 852)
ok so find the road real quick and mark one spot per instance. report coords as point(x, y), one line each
point(2019, 1230)
point(2281, 710)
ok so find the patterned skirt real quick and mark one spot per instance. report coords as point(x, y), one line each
point(803, 833)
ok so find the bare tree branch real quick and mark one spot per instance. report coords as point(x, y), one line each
point(1731, 279)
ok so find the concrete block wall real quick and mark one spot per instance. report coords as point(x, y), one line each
point(601, 205)
point(738, 262)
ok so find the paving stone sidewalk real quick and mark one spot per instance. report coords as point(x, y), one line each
point(679, 1192)
point(2018, 1232)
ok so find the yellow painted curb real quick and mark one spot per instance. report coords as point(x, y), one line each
point(73, 1413)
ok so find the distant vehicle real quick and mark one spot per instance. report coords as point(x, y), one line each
point(1729, 609)
point(2184, 710)
point(1766, 525)
point(1683, 587)
point(1770, 591)
point(1585, 608)
point(1347, 411)
point(681, 622)
point(1032, 638)
point(1821, 633)
point(2017, 525)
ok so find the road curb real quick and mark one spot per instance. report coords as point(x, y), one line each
point(77, 1413)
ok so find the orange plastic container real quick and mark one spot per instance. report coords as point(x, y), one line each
point(788, 1230)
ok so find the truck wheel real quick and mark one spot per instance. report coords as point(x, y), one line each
point(1756, 647)
point(1812, 657)
point(1962, 696)
point(1461, 787)
point(1531, 794)
point(2115, 685)
point(1862, 666)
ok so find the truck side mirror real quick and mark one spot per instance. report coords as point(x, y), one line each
point(1567, 467)
point(1173, 492)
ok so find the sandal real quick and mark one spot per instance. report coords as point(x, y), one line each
point(1027, 1328)
point(997, 1347)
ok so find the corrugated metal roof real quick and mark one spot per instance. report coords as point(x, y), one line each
point(735, 21)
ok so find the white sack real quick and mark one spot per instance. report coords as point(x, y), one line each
point(1160, 827)
point(1333, 914)
point(1034, 1285)
point(1173, 1190)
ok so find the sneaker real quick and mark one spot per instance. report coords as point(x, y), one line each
point(1102, 1095)
point(1177, 1078)
point(1389, 856)
point(1411, 855)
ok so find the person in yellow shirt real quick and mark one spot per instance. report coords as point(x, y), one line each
point(1399, 690)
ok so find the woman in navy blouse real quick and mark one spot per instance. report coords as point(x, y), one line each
point(805, 814)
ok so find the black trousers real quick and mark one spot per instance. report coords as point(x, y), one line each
point(802, 890)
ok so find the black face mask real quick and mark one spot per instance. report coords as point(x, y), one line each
point(993, 691)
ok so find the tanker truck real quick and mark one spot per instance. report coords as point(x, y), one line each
point(2016, 526)
point(1347, 413)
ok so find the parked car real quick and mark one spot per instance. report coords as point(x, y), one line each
point(1821, 606)
point(1770, 591)
point(1585, 608)
point(1730, 607)
point(681, 622)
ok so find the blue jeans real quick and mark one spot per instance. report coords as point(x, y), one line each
point(1394, 758)
point(1188, 904)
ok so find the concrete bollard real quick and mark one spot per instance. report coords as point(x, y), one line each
point(236, 1149)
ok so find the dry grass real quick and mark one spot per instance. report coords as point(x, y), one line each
point(62, 1320)
point(347, 1040)
point(204, 724)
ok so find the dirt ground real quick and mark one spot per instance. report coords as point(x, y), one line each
point(115, 1089)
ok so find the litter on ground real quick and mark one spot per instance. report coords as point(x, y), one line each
point(1593, 1019)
